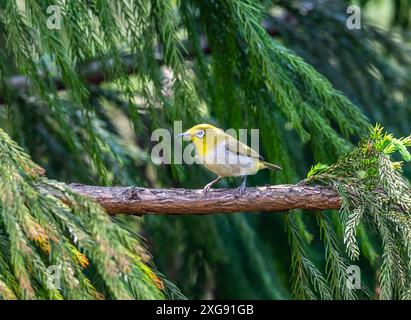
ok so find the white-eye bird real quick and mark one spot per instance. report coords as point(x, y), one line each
point(224, 155)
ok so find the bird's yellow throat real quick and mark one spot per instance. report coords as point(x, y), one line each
point(202, 145)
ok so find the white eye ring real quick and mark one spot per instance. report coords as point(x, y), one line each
point(200, 133)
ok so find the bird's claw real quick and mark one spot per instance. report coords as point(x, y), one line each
point(206, 190)
point(241, 190)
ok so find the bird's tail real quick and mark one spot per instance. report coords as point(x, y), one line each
point(270, 166)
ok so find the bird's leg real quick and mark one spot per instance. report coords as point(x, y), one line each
point(208, 186)
point(241, 188)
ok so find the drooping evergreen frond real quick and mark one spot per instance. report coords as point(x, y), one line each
point(94, 91)
point(90, 256)
point(372, 189)
point(304, 274)
point(357, 62)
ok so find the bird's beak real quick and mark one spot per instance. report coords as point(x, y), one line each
point(184, 134)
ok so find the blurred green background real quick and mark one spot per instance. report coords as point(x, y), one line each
point(116, 71)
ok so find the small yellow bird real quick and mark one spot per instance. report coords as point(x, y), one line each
point(224, 155)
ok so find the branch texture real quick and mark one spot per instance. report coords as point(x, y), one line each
point(141, 201)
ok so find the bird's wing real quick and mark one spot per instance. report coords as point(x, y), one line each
point(240, 148)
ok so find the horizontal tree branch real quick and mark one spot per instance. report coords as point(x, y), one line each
point(142, 201)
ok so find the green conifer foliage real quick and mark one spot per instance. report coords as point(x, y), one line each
point(90, 256)
point(373, 190)
point(311, 86)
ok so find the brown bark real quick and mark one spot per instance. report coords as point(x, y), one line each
point(141, 201)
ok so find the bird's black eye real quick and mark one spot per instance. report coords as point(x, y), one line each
point(200, 133)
